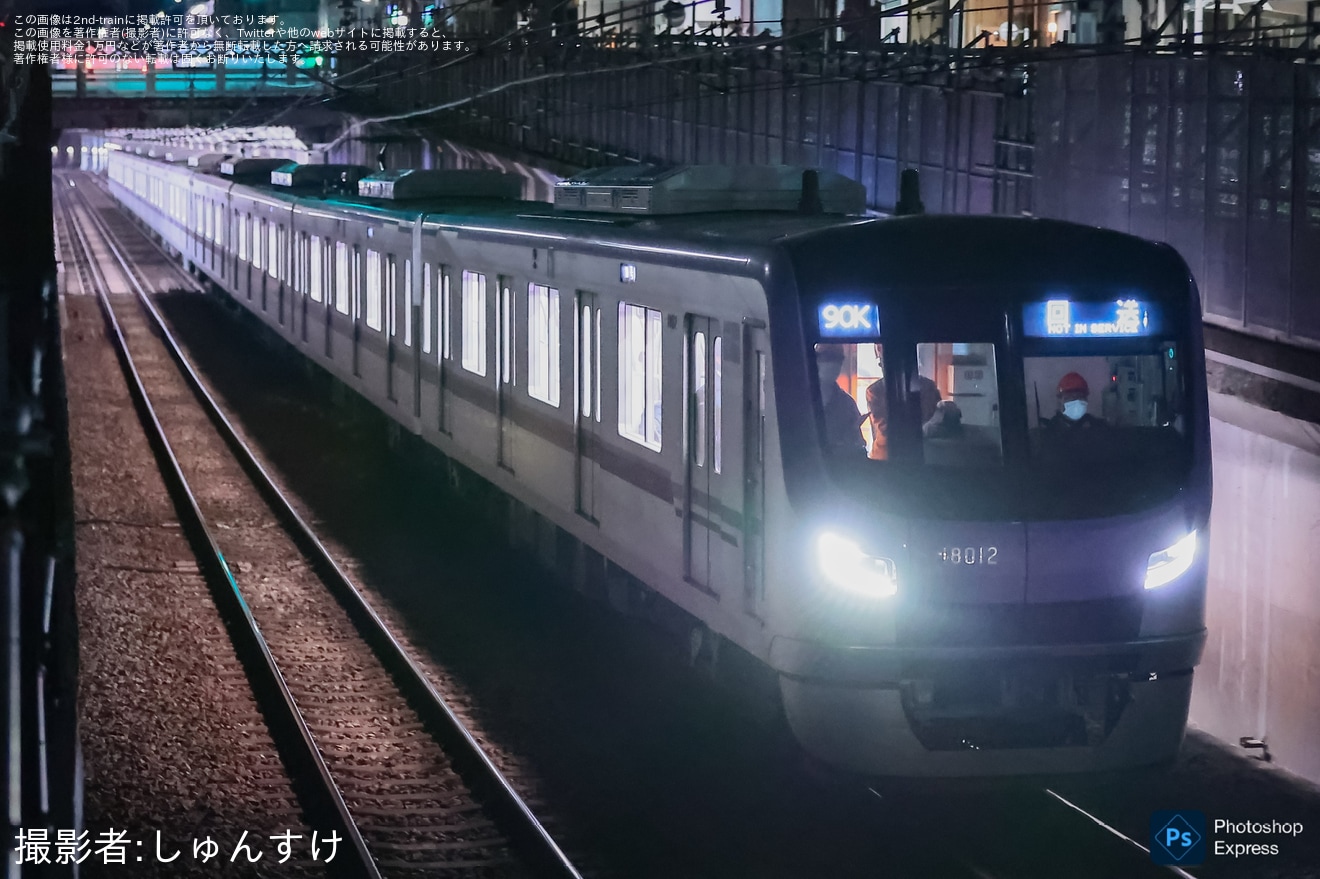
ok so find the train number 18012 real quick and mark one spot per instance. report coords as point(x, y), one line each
point(969, 555)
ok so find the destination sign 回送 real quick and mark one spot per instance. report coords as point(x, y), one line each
point(849, 320)
point(1065, 319)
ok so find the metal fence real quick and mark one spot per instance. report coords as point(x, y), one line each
point(1220, 157)
point(1217, 154)
point(816, 111)
point(38, 671)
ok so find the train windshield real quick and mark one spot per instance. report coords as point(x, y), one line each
point(1097, 408)
point(965, 427)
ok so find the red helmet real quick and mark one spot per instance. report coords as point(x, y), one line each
point(1073, 383)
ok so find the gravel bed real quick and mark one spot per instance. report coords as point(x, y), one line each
point(416, 819)
point(172, 739)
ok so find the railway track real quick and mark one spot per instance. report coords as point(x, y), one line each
point(1013, 832)
point(377, 755)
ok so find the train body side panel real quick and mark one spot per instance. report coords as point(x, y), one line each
point(644, 501)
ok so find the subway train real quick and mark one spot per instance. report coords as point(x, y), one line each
point(948, 477)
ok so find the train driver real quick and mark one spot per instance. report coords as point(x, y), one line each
point(843, 420)
point(1072, 415)
point(932, 415)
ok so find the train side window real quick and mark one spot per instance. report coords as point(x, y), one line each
point(373, 289)
point(584, 365)
point(243, 238)
point(543, 343)
point(446, 316)
point(426, 307)
point(407, 302)
point(326, 268)
point(276, 253)
point(717, 355)
point(391, 297)
point(355, 284)
point(315, 269)
point(341, 277)
point(640, 374)
point(474, 322)
point(599, 345)
point(259, 245)
point(300, 264)
point(220, 225)
point(699, 404)
point(507, 334)
point(208, 221)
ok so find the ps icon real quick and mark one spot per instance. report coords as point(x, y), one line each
point(1177, 837)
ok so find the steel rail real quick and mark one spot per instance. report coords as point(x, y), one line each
point(254, 653)
point(512, 814)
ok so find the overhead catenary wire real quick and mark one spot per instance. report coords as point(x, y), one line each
point(916, 57)
point(873, 17)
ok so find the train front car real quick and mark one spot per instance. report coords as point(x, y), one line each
point(1000, 504)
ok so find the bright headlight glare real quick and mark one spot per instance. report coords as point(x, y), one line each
point(1169, 564)
point(845, 566)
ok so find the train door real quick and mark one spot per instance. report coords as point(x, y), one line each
point(331, 292)
point(587, 402)
point(505, 373)
point(418, 323)
point(249, 252)
point(307, 247)
point(706, 476)
point(196, 229)
point(225, 237)
point(391, 325)
point(756, 361)
point(265, 258)
point(443, 352)
point(355, 301)
point(279, 273)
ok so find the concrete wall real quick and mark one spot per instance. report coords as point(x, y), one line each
point(1261, 673)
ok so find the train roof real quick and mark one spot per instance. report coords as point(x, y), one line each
point(933, 249)
point(956, 250)
point(742, 227)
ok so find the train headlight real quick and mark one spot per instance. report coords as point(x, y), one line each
point(1169, 564)
point(843, 563)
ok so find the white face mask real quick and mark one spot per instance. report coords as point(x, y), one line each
point(1074, 409)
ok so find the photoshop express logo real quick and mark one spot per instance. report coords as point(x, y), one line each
point(1177, 837)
